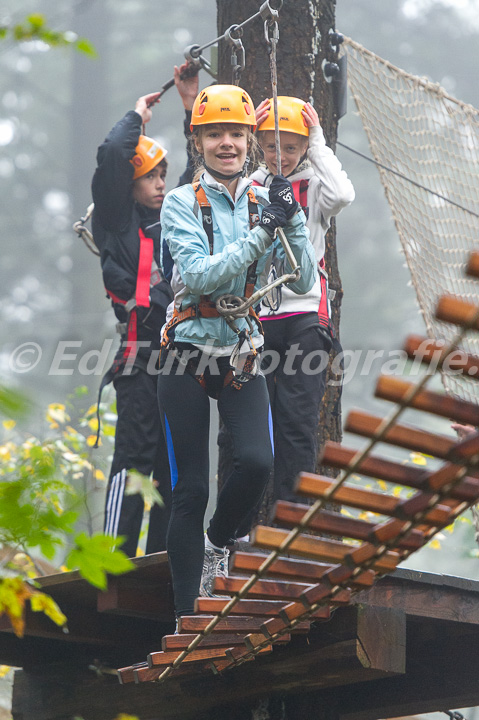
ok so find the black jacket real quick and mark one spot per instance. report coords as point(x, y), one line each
point(116, 221)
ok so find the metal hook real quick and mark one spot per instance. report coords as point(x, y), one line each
point(193, 56)
point(270, 13)
point(275, 35)
point(237, 46)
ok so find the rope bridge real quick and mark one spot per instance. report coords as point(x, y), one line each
point(426, 146)
point(306, 575)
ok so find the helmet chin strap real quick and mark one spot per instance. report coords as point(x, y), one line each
point(222, 176)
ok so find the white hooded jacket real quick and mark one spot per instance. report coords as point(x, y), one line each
point(329, 191)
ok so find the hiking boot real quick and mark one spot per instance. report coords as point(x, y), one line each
point(215, 565)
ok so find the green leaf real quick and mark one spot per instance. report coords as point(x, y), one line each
point(12, 403)
point(143, 484)
point(96, 556)
point(36, 20)
point(84, 46)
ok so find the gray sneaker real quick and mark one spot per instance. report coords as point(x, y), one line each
point(215, 564)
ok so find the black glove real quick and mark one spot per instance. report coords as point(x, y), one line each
point(281, 192)
point(272, 218)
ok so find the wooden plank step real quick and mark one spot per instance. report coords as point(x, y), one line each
point(156, 659)
point(230, 624)
point(236, 654)
point(126, 674)
point(339, 456)
point(405, 436)
point(429, 352)
point(290, 514)
point(395, 390)
point(181, 641)
point(317, 486)
point(301, 570)
point(317, 548)
point(256, 608)
point(269, 589)
point(466, 450)
point(452, 309)
point(141, 672)
point(148, 674)
point(472, 267)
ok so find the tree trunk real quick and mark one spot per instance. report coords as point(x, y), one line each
point(303, 45)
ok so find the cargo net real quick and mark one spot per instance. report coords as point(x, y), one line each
point(428, 143)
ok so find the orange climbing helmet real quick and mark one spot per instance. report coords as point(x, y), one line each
point(290, 117)
point(223, 104)
point(148, 153)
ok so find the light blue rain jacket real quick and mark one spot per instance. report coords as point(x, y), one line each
point(235, 248)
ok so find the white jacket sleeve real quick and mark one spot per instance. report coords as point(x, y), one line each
point(330, 188)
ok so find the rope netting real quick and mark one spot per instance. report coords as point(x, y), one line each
point(428, 145)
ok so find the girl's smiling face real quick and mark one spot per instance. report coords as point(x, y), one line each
point(292, 146)
point(224, 146)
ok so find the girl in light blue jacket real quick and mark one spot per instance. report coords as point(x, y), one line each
point(220, 233)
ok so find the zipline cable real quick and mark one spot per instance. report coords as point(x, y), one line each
point(408, 179)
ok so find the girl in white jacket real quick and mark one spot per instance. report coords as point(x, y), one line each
point(296, 327)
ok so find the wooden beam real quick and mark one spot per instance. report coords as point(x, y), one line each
point(395, 390)
point(301, 570)
point(155, 602)
point(345, 654)
point(315, 548)
point(317, 486)
point(405, 436)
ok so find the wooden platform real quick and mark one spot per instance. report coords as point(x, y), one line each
point(135, 611)
point(409, 644)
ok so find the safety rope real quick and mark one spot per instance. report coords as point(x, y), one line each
point(353, 468)
point(234, 307)
point(84, 233)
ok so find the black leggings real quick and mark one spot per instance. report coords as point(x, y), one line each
point(185, 409)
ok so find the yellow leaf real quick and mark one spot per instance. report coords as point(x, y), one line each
point(69, 430)
point(91, 440)
point(435, 544)
point(56, 414)
point(139, 552)
point(122, 716)
point(99, 475)
point(13, 594)
point(382, 485)
point(93, 424)
point(40, 602)
point(418, 458)
point(91, 410)
point(4, 670)
point(5, 453)
point(397, 490)
point(9, 424)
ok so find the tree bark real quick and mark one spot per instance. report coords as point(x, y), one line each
point(303, 44)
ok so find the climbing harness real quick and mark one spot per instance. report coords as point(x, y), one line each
point(148, 276)
point(244, 358)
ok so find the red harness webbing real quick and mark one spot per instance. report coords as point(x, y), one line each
point(206, 308)
point(142, 293)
